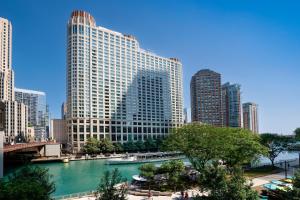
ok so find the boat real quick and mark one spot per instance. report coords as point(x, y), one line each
point(65, 160)
point(144, 158)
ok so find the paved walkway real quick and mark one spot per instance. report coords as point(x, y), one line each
point(266, 179)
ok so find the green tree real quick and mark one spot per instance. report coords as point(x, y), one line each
point(148, 171)
point(174, 169)
point(28, 183)
point(107, 189)
point(219, 183)
point(91, 146)
point(297, 133)
point(106, 146)
point(275, 144)
point(118, 147)
point(203, 144)
point(150, 144)
point(140, 146)
point(129, 146)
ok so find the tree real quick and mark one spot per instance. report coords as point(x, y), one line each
point(148, 171)
point(297, 133)
point(140, 145)
point(174, 169)
point(129, 146)
point(91, 146)
point(118, 147)
point(106, 146)
point(107, 189)
point(203, 144)
point(150, 144)
point(219, 183)
point(276, 144)
point(27, 183)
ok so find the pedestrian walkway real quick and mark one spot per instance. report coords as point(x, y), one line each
point(266, 179)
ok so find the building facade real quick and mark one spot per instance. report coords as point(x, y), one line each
point(63, 110)
point(38, 116)
point(185, 116)
point(115, 89)
point(15, 113)
point(58, 131)
point(250, 116)
point(206, 106)
point(231, 105)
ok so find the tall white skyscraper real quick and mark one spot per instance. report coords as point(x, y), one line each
point(115, 89)
point(15, 112)
point(250, 116)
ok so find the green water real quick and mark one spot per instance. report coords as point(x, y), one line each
point(83, 176)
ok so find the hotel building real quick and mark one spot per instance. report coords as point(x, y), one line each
point(15, 113)
point(231, 105)
point(206, 101)
point(250, 116)
point(116, 89)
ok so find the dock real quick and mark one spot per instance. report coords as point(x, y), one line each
point(50, 159)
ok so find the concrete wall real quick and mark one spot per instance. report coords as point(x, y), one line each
point(51, 150)
point(58, 131)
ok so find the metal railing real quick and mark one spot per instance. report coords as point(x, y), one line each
point(8, 148)
point(75, 195)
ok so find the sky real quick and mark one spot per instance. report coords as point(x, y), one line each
point(255, 43)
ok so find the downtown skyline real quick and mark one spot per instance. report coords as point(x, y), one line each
point(256, 84)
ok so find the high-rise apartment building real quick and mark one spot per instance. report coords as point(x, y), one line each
point(115, 89)
point(38, 116)
point(15, 112)
point(206, 99)
point(250, 116)
point(231, 105)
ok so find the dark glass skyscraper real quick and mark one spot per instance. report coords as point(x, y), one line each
point(231, 105)
point(206, 106)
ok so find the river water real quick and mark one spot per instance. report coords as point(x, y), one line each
point(82, 176)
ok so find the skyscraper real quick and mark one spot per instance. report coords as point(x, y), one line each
point(15, 112)
point(185, 117)
point(37, 110)
point(250, 116)
point(231, 105)
point(115, 89)
point(206, 97)
point(63, 110)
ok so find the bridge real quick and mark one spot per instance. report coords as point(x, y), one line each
point(24, 146)
point(10, 154)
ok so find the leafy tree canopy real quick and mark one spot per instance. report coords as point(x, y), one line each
point(28, 183)
point(275, 145)
point(297, 133)
point(204, 143)
point(219, 183)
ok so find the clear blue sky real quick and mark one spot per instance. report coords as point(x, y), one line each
point(252, 42)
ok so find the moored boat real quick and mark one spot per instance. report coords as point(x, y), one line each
point(144, 158)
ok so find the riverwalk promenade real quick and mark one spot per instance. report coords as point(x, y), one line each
point(257, 182)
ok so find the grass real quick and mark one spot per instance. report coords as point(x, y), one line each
point(261, 171)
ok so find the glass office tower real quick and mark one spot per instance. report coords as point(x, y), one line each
point(38, 116)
